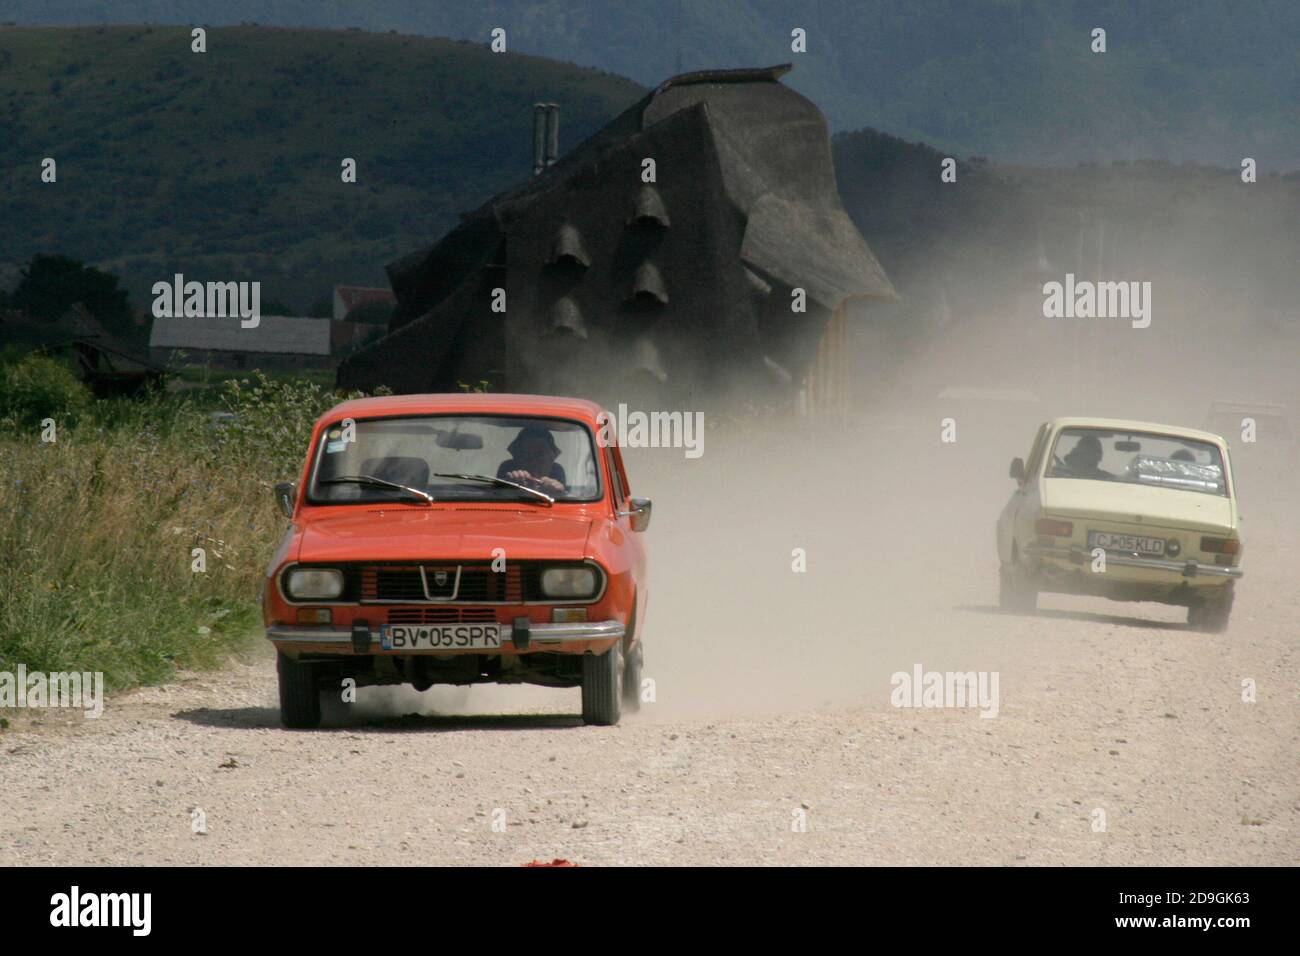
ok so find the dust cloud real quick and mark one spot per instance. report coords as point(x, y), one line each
point(896, 527)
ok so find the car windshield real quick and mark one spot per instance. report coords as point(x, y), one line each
point(455, 458)
point(1139, 458)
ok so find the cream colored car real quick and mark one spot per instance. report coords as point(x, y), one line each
point(1131, 511)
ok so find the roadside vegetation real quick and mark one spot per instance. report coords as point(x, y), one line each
point(98, 528)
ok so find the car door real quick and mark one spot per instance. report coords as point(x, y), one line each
point(1023, 504)
point(621, 495)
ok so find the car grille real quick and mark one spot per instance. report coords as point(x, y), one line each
point(478, 583)
point(441, 614)
point(399, 582)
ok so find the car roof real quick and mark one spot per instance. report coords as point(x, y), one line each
point(1128, 425)
point(470, 403)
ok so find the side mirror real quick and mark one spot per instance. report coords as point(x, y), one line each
point(285, 495)
point(639, 513)
point(1017, 469)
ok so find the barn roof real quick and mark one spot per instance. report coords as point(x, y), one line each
point(774, 150)
point(77, 326)
point(355, 295)
point(744, 180)
point(273, 333)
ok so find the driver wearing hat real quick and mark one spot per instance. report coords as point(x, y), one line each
point(532, 462)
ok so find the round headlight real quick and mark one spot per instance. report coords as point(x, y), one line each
point(569, 582)
point(314, 584)
point(1172, 547)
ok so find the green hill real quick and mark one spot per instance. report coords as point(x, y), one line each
point(226, 164)
point(1184, 80)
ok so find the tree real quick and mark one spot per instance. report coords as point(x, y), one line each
point(51, 284)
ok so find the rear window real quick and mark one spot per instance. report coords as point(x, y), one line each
point(1139, 458)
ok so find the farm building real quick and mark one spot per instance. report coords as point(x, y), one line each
point(277, 341)
point(663, 259)
point(349, 297)
point(109, 365)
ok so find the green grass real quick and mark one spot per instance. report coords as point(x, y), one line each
point(97, 529)
point(216, 378)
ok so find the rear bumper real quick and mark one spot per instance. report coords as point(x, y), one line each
point(572, 638)
point(1185, 569)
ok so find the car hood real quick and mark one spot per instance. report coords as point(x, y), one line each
point(1138, 504)
point(400, 534)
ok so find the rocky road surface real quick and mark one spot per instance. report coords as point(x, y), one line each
point(1121, 737)
point(1133, 716)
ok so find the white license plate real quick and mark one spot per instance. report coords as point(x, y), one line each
point(439, 637)
point(1128, 543)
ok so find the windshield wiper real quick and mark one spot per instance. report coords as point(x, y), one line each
point(378, 483)
point(501, 481)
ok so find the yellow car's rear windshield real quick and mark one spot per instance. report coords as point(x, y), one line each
point(1139, 458)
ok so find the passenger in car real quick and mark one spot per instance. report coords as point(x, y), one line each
point(1083, 459)
point(533, 461)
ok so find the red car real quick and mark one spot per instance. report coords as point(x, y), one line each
point(459, 539)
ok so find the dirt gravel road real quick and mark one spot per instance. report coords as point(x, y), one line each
point(772, 739)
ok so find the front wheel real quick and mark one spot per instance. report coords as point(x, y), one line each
point(602, 687)
point(299, 694)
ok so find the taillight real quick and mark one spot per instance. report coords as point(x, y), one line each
point(1054, 527)
point(1221, 545)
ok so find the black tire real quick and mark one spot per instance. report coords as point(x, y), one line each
point(632, 678)
point(1016, 594)
point(1212, 616)
point(299, 694)
point(602, 687)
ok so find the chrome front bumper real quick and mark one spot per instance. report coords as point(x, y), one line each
point(367, 641)
point(1188, 569)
